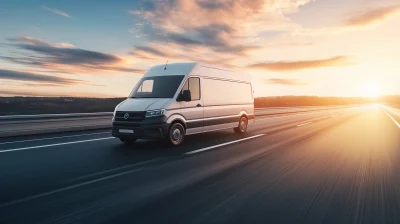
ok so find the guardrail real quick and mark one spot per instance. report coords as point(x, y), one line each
point(53, 116)
point(259, 111)
point(16, 125)
point(285, 110)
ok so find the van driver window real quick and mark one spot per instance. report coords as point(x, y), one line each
point(157, 87)
point(192, 84)
point(146, 87)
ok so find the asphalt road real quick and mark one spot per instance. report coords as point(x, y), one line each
point(331, 166)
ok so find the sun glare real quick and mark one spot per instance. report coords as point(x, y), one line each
point(371, 90)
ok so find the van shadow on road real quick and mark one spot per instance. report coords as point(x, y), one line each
point(192, 142)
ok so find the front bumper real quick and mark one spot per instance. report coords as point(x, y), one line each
point(140, 130)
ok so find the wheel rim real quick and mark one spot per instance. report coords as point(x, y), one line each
point(176, 136)
point(243, 124)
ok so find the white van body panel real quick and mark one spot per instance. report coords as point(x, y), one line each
point(216, 72)
point(225, 96)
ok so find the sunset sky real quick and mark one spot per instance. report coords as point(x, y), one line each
point(290, 47)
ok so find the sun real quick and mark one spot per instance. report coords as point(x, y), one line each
point(371, 90)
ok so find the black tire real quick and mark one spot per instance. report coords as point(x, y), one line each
point(176, 134)
point(242, 126)
point(128, 141)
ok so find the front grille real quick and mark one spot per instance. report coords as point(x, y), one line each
point(125, 124)
point(135, 116)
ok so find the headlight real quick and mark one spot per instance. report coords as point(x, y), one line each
point(155, 113)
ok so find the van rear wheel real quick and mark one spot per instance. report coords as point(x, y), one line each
point(176, 134)
point(242, 126)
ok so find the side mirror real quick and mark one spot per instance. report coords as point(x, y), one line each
point(186, 96)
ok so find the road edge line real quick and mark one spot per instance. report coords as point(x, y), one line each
point(390, 116)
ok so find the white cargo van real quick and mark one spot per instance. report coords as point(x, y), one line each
point(179, 99)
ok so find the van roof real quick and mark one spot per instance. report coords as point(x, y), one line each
point(195, 68)
point(171, 69)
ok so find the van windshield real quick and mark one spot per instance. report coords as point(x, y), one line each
point(157, 87)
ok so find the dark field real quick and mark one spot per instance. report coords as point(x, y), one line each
point(56, 105)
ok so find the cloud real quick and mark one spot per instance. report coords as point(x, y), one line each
point(151, 51)
point(29, 61)
point(35, 77)
point(161, 53)
point(354, 21)
point(372, 16)
point(57, 11)
point(214, 26)
point(302, 65)
point(215, 5)
point(66, 57)
point(180, 39)
point(65, 53)
point(291, 44)
point(292, 82)
point(215, 37)
point(181, 15)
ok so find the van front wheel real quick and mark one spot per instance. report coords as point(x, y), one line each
point(176, 134)
point(242, 126)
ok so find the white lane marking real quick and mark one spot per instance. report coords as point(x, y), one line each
point(50, 145)
point(299, 125)
point(223, 144)
point(390, 116)
point(41, 139)
point(67, 188)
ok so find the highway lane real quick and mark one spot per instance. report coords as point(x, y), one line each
point(345, 174)
point(44, 169)
point(328, 170)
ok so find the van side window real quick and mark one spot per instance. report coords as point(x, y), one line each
point(192, 84)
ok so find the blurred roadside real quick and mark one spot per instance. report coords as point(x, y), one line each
point(62, 105)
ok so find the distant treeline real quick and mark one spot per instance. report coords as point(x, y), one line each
point(59, 105)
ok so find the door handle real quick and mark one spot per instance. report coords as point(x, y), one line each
point(198, 105)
